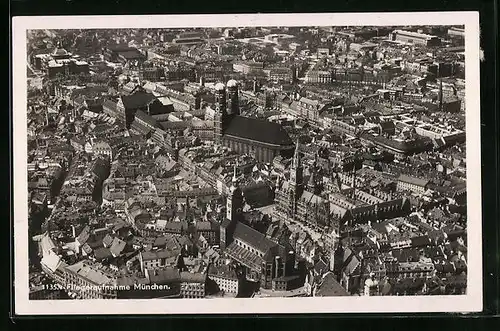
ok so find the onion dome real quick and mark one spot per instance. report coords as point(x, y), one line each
point(219, 87)
point(232, 83)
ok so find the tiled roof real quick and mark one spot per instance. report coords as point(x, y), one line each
point(137, 100)
point(102, 253)
point(51, 261)
point(399, 145)
point(253, 237)
point(109, 105)
point(330, 287)
point(167, 275)
point(161, 254)
point(117, 246)
point(311, 198)
point(193, 277)
point(59, 51)
point(87, 249)
point(321, 266)
point(84, 235)
point(244, 256)
point(90, 273)
point(258, 130)
point(387, 124)
point(223, 271)
point(131, 54)
point(175, 125)
point(406, 254)
point(160, 241)
point(176, 226)
point(146, 118)
point(352, 265)
point(310, 102)
point(120, 48)
point(108, 240)
point(420, 241)
point(204, 226)
point(413, 180)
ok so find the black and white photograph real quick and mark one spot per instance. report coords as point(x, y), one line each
point(247, 163)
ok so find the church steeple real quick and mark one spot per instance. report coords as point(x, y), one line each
point(189, 211)
point(311, 184)
point(220, 117)
point(296, 186)
point(234, 204)
point(440, 96)
point(234, 211)
point(233, 106)
point(296, 156)
point(296, 168)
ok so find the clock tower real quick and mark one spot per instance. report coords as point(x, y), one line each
point(234, 212)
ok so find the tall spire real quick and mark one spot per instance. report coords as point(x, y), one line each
point(296, 155)
point(235, 202)
point(354, 182)
point(440, 95)
point(235, 179)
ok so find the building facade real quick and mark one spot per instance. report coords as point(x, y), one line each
point(413, 184)
point(415, 38)
point(262, 259)
point(262, 139)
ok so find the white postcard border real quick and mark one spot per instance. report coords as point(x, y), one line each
point(471, 302)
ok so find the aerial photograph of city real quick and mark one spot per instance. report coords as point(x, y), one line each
point(246, 162)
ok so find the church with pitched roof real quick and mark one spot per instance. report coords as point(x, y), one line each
point(264, 261)
point(263, 139)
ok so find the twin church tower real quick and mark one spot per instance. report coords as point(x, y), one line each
point(262, 139)
point(226, 107)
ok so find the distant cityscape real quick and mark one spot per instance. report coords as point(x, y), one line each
point(247, 162)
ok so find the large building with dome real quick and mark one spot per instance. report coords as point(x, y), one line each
point(258, 137)
point(60, 62)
